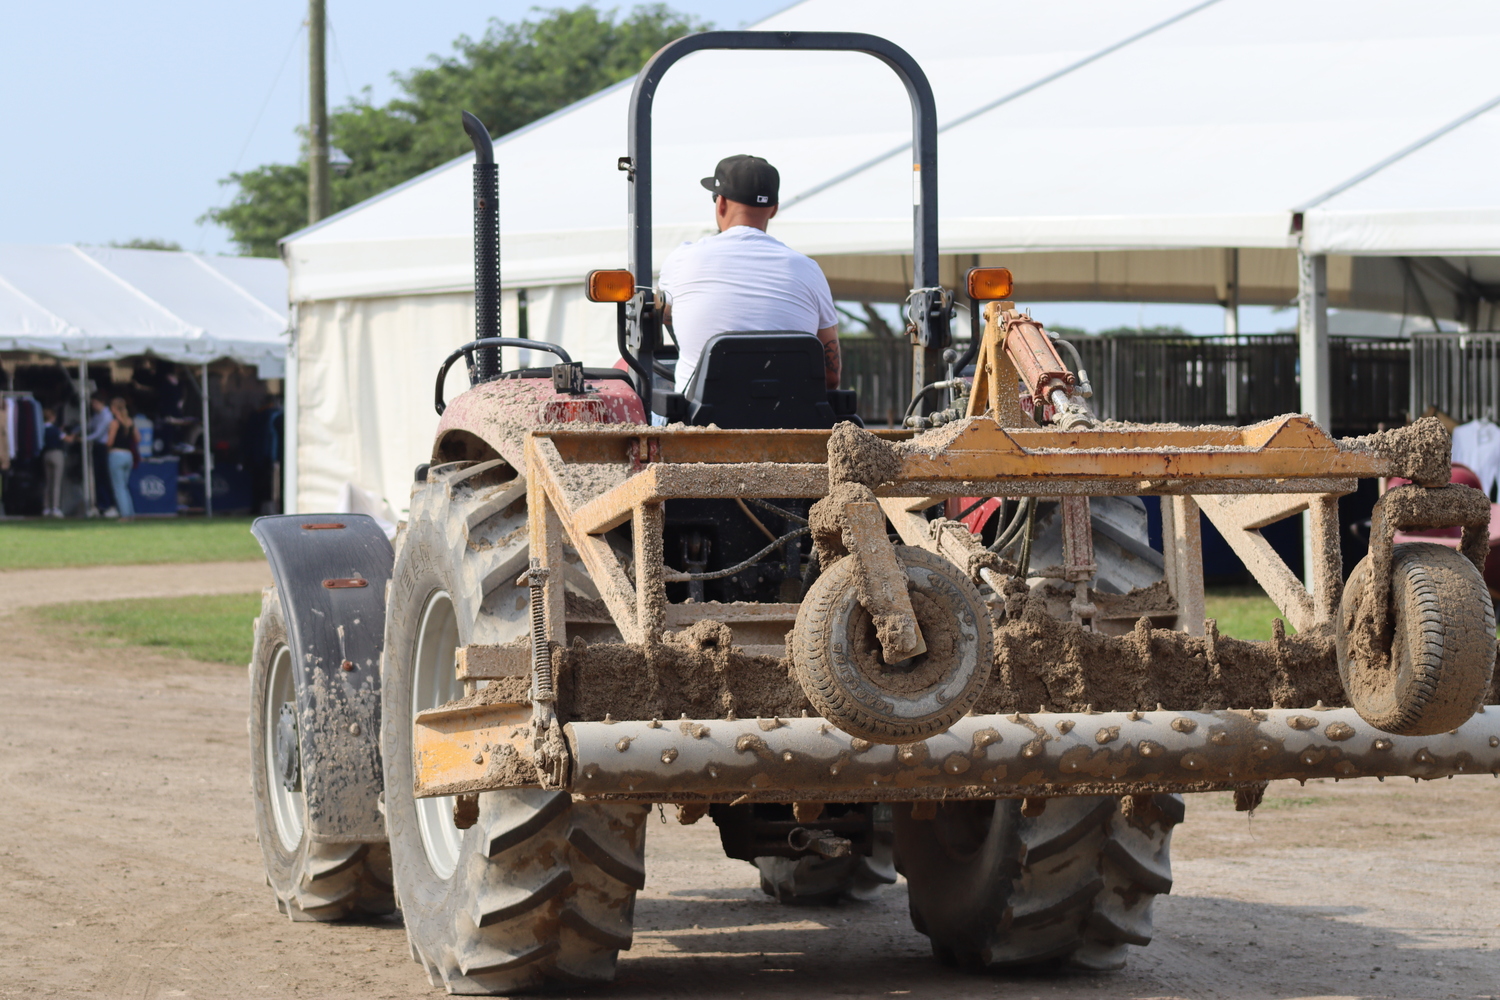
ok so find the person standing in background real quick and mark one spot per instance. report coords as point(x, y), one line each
point(98, 438)
point(53, 458)
point(124, 442)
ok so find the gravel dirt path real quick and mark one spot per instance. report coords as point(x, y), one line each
point(26, 588)
point(129, 868)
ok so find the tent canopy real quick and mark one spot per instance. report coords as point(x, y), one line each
point(1075, 127)
point(99, 303)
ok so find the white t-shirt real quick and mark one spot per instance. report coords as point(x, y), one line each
point(1477, 445)
point(740, 280)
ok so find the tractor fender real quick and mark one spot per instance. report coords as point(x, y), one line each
point(491, 420)
point(331, 572)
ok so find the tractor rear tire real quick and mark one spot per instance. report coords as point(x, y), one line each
point(993, 887)
point(538, 889)
point(1442, 643)
point(310, 880)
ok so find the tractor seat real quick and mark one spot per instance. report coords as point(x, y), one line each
point(752, 381)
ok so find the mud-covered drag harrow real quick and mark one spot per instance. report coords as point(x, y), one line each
point(1282, 466)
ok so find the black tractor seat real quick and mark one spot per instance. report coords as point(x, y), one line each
point(749, 381)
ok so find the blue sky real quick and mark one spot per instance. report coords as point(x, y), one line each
point(120, 119)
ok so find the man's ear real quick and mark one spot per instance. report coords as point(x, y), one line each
point(774, 210)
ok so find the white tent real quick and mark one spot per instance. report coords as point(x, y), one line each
point(1157, 150)
point(98, 303)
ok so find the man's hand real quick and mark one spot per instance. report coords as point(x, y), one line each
point(833, 362)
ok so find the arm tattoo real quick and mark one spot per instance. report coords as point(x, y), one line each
point(831, 359)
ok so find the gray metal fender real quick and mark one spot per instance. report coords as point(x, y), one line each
point(331, 572)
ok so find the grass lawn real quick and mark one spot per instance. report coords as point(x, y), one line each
point(216, 629)
point(1242, 612)
point(43, 544)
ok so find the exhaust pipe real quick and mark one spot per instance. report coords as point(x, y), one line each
point(485, 364)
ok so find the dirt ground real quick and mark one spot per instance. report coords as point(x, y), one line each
point(24, 588)
point(129, 868)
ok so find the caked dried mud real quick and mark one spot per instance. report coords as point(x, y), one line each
point(857, 456)
point(1420, 451)
point(1041, 663)
point(696, 671)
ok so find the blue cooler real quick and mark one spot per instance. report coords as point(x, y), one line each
point(153, 486)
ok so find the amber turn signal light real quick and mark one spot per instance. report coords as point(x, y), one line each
point(986, 284)
point(610, 286)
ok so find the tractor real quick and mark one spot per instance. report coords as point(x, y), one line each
point(944, 650)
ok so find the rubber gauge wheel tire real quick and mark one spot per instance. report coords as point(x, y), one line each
point(837, 658)
point(1442, 643)
point(311, 881)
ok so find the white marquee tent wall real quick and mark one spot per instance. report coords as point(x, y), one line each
point(1158, 150)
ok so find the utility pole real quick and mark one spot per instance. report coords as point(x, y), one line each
point(319, 197)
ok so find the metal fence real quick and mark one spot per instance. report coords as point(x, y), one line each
point(1239, 380)
point(1458, 373)
point(1195, 380)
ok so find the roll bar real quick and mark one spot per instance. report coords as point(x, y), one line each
point(929, 307)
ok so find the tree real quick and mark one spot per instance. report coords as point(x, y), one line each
point(512, 76)
point(145, 243)
point(1145, 331)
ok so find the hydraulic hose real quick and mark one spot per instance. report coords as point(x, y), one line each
point(1006, 535)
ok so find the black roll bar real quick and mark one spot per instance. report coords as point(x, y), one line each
point(928, 307)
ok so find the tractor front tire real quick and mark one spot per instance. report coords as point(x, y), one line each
point(992, 887)
point(310, 880)
point(538, 889)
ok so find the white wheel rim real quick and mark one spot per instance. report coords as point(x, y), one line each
point(435, 682)
point(288, 809)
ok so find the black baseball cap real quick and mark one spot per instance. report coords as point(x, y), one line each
point(746, 179)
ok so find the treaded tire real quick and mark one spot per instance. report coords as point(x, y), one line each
point(310, 881)
point(540, 889)
point(1442, 643)
point(991, 887)
point(836, 656)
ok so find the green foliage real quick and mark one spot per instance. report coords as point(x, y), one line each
point(512, 76)
point(215, 629)
point(1144, 331)
point(41, 544)
point(140, 243)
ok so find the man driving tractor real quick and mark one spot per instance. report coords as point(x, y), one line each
point(743, 279)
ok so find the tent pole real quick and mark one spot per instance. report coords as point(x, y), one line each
point(1232, 292)
point(208, 453)
point(1314, 382)
point(1232, 329)
point(84, 443)
point(289, 416)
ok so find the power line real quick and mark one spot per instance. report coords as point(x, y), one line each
point(266, 103)
point(338, 57)
point(296, 35)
